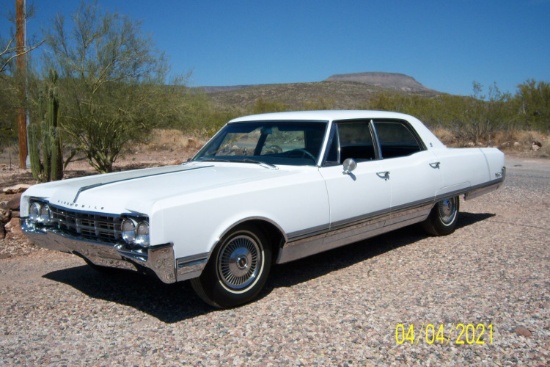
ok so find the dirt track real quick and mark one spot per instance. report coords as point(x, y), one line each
point(342, 307)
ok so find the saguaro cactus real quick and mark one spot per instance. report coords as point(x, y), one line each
point(44, 137)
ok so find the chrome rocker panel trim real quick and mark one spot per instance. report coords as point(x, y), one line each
point(347, 233)
point(483, 189)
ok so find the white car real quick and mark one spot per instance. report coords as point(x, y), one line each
point(266, 189)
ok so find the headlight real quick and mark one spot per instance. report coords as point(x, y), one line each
point(128, 228)
point(34, 212)
point(142, 234)
point(135, 232)
point(45, 214)
point(40, 213)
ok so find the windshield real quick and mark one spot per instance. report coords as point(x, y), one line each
point(296, 143)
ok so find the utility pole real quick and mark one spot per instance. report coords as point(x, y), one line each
point(22, 80)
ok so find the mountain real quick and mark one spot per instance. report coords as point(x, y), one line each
point(341, 91)
point(394, 81)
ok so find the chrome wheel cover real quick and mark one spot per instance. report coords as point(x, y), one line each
point(447, 210)
point(240, 263)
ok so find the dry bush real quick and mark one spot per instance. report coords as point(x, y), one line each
point(512, 141)
point(446, 136)
point(518, 140)
point(172, 139)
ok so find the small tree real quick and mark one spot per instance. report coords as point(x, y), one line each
point(534, 99)
point(483, 115)
point(111, 81)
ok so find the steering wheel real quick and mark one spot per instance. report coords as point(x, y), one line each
point(305, 154)
point(273, 149)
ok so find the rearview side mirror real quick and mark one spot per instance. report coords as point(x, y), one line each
point(349, 166)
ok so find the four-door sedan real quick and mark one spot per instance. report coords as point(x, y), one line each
point(266, 189)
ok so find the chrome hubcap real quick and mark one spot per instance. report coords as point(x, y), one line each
point(447, 210)
point(239, 262)
point(242, 263)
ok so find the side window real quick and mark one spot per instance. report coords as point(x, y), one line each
point(396, 139)
point(355, 140)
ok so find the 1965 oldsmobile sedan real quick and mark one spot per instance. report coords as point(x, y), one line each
point(266, 189)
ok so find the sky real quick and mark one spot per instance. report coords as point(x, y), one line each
point(444, 44)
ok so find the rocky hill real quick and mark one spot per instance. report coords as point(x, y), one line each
point(392, 81)
point(343, 91)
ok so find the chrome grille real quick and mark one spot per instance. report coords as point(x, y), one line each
point(99, 227)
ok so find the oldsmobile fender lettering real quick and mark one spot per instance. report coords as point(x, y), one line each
point(82, 206)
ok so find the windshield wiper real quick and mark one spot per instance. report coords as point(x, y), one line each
point(248, 160)
point(244, 160)
point(203, 159)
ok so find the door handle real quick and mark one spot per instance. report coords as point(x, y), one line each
point(435, 165)
point(385, 175)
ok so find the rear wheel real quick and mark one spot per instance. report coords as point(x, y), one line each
point(443, 217)
point(237, 270)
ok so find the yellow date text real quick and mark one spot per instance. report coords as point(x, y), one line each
point(458, 334)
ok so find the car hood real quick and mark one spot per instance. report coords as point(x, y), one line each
point(138, 190)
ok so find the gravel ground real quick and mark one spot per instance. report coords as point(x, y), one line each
point(337, 308)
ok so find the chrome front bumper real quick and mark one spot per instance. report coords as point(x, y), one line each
point(160, 259)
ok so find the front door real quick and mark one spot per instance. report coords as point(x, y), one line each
point(359, 200)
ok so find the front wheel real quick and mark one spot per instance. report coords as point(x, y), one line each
point(443, 217)
point(237, 270)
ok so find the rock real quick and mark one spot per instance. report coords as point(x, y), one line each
point(516, 144)
point(14, 227)
point(5, 215)
point(536, 145)
point(16, 189)
point(523, 331)
point(5, 212)
point(13, 203)
point(2, 232)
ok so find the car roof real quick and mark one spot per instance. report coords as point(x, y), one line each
point(323, 115)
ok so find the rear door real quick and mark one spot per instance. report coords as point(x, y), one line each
point(412, 171)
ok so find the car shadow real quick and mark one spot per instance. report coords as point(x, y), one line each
point(167, 302)
point(176, 302)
